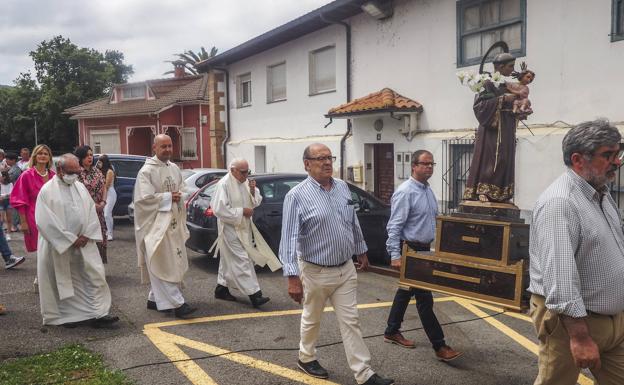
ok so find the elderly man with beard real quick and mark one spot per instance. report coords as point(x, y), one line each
point(577, 263)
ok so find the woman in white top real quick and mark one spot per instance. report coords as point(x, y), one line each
point(111, 195)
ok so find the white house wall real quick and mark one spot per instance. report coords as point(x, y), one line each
point(415, 53)
point(287, 127)
point(567, 45)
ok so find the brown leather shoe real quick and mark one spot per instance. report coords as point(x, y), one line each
point(398, 339)
point(446, 354)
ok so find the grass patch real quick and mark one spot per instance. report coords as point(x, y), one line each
point(72, 364)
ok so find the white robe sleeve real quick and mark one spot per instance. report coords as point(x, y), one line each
point(51, 227)
point(165, 203)
point(256, 199)
point(222, 208)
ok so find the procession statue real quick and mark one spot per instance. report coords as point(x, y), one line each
point(498, 106)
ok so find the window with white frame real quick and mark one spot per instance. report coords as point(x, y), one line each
point(323, 70)
point(617, 20)
point(276, 82)
point(189, 143)
point(134, 92)
point(243, 90)
point(481, 23)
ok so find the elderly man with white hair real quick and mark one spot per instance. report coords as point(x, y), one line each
point(72, 282)
point(239, 243)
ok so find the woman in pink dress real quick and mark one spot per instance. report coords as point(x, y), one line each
point(26, 189)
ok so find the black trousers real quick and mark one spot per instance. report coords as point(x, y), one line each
point(424, 305)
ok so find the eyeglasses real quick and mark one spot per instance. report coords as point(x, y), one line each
point(611, 156)
point(244, 172)
point(426, 164)
point(323, 158)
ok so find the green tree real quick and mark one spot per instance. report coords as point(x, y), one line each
point(67, 76)
point(17, 106)
point(190, 59)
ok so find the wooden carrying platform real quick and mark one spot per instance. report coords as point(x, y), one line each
point(480, 259)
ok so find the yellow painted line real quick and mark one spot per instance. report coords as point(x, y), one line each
point(229, 317)
point(472, 306)
point(510, 313)
point(190, 369)
point(196, 374)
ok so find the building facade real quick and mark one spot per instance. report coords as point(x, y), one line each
point(184, 107)
point(415, 48)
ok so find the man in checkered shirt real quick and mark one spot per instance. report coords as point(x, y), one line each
point(577, 263)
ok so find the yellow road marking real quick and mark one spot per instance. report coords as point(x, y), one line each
point(190, 369)
point(168, 343)
point(473, 307)
point(198, 376)
point(229, 317)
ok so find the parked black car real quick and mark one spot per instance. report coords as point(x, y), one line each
point(372, 214)
point(126, 169)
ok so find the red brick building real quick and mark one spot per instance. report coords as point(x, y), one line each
point(127, 120)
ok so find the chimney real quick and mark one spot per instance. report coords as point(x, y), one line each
point(178, 71)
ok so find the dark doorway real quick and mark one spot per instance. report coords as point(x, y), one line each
point(384, 171)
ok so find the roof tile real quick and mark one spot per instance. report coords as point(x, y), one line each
point(168, 92)
point(385, 100)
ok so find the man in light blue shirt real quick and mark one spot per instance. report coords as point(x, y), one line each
point(413, 220)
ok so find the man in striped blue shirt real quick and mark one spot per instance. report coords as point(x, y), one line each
point(413, 220)
point(320, 234)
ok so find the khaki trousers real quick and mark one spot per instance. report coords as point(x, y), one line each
point(339, 286)
point(556, 365)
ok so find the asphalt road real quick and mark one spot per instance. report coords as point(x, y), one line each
point(497, 350)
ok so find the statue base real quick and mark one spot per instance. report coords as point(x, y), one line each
point(489, 211)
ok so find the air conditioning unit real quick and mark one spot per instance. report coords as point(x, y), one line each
point(410, 126)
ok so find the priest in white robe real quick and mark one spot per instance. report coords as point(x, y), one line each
point(72, 282)
point(239, 243)
point(160, 229)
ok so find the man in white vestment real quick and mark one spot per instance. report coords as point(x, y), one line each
point(72, 282)
point(160, 229)
point(239, 244)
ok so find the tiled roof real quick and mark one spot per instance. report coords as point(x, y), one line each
point(385, 100)
point(168, 92)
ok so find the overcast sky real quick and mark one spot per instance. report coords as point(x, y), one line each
point(148, 32)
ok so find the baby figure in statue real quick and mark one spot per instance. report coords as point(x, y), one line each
point(522, 104)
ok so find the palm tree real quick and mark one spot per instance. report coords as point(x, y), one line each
point(190, 59)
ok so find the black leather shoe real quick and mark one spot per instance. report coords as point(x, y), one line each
point(222, 292)
point(184, 311)
point(313, 368)
point(257, 299)
point(376, 379)
point(104, 322)
point(151, 305)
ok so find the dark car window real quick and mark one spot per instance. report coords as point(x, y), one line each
point(362, 202)
point(274, 192)
point(205, 179)
point(127, 168)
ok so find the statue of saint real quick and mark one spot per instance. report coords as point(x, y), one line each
point(491, 176)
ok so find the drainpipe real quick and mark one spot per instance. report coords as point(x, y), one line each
point(349, 126)
point(201, 138)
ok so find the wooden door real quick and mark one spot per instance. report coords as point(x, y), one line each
point(384, 171)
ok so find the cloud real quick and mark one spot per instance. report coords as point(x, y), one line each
point(148, 32)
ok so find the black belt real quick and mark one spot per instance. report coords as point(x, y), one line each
point(418, 246)
point(318, 264)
